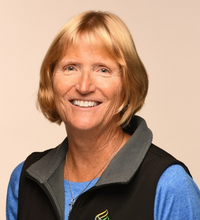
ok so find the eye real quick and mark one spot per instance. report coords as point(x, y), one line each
point(104, 70)
point(68, 68)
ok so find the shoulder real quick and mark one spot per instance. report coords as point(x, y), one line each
point(175, 180)
point(177, 195)
point(160, 160)
point(13, 186)
point(175, 175)
point(15, 176)
point(160, 153)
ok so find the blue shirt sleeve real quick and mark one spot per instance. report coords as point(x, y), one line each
point(12, 194)
point(177, 196)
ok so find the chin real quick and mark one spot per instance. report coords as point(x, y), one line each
point(84, 125)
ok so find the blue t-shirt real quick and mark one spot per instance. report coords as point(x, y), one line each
point(177, 195)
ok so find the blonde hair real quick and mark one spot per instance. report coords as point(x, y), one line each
point(110, 32)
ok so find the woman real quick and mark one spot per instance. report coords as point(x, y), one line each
point(93, 81)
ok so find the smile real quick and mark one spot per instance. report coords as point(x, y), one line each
point(84, 104)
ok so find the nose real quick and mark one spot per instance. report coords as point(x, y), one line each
point(85, 82)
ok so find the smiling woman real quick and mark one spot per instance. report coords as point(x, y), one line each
point(93, 81)
point(105, 32)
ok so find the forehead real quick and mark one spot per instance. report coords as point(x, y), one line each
point(88, 41)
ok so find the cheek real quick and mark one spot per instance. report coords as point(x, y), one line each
point(58, 86)
point(118, 92)
point(119, 96)
point(58, 96)
point(115, 94)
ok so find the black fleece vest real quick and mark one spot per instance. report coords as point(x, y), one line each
point(133, 200)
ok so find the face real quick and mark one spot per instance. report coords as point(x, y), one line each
point(87, 86)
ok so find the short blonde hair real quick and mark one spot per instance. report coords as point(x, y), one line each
point(110, 32)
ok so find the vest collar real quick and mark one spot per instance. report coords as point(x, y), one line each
point(121, 168)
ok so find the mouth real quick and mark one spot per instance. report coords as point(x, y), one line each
point(84, 104)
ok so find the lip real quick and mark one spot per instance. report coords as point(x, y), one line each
point(84, 103)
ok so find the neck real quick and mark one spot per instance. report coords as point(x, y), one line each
point(88, 154)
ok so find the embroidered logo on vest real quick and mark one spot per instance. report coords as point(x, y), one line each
point(102, 216)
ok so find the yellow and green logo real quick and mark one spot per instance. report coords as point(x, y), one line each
point(102, 216)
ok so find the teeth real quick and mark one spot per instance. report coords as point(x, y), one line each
point(84, 103)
